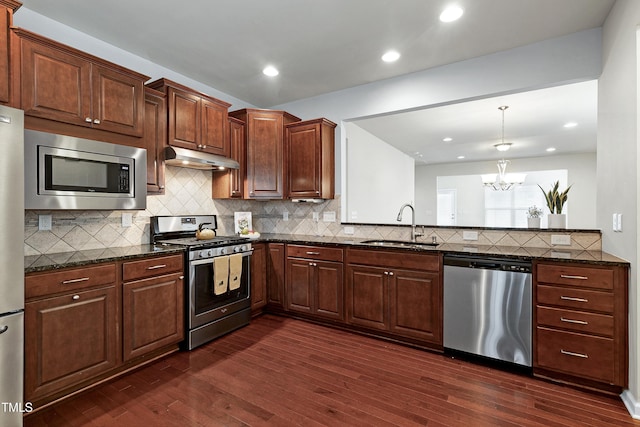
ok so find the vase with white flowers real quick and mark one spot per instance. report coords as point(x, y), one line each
point(555, 202)
point(533, 216)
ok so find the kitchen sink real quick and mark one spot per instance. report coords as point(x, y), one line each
point(398, 243)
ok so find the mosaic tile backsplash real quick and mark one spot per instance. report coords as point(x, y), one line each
point(188, 192)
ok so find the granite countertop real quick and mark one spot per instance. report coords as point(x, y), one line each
point(550, 254)
point(35, 263)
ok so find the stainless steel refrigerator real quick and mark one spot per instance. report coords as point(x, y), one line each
point(11, 266)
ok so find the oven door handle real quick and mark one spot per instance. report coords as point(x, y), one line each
point(210, 260)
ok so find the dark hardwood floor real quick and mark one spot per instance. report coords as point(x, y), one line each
point(284, 372)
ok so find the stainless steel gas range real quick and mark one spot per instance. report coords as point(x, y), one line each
point(218, 276)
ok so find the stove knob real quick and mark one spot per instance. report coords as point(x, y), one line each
point(236, 249)
point(223, 251)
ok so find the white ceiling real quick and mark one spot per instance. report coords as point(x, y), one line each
point(319, 46)
point(533, 122)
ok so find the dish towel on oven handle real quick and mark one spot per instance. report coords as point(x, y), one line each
point(235, 271)
point(220, 274)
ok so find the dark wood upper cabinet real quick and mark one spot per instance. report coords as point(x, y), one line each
point(62, 84)
point(266, 162)
point(7, 8)
point(155, 139)
point(230, 184)
point(195, 121)
point(310, 150)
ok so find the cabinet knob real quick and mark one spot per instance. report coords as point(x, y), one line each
point(88, 119)
point(391, 273)
point(96, 121)
point(75, 297)
point(204, 146)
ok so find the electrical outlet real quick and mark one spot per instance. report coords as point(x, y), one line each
point(329, 216)
point(44, 222)
point(349, 230)
point(315, 216)
point(560, 239)
point(127, 219)
point(469, 235)
point(285, 216)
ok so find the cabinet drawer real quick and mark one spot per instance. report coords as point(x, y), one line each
point(575, 276)
point(580, 321)
point(315, 252)
point(49, 283)
point(149, 267)
point(408, 259)
point(576, 354)
point(575, 298)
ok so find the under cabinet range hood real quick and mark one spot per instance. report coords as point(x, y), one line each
point(176, 156)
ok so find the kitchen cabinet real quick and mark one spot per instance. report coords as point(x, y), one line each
point(7, 8)
point(258, 278)
point(266, 162)
point(152, 304)
point(314, 281)
point(71, 328)
point(154, 139)
point(310, 150)
point(230, 184)
point(275, 276)
point(395, 292)
point(195, 121)
point(62, 84)
point(581, 324)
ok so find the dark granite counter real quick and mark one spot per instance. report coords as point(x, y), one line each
point(35, 263)
point(523, 253)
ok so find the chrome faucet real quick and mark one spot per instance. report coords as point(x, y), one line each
point(413, 220)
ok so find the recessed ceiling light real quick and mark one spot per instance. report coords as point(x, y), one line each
point(460, 157)
point(391, 56)
point(451, 13)
point(447, 139)
point(570, 124)
point(270, 71)
point(551, 149)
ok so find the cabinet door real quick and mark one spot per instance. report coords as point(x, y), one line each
point(184, 119)
point(118, 101)
point(275, 275)
point(299, 276)
point(214, 132)
point(154, 140)
point(367, 297)
point(153, 314)
point(329, 290)
point(258, 277)
point(230, 184)
point(5, 24)
point(69, 339)
point(303, 152)
point(415, 305)
point(265, 156)
point(55, 85)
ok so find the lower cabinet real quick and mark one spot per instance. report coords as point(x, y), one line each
point(314, 281)
point(258, 277)
point(399, 293)
point(84, 324)
point(275, 275)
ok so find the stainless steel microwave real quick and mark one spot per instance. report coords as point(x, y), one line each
point(63, 172)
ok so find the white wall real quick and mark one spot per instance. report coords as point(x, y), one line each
point(581, 175)
point(380, 179)
point(618, 158)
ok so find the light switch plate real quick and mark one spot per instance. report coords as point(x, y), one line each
point(127, 219)
point(285, 216)
point(560, 239)
point(469, 235)
point(44, 222)
point(348, 230)
point(329, 216)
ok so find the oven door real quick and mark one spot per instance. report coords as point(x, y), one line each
point(206, 305)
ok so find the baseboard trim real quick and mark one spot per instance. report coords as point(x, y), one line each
point(632, 404)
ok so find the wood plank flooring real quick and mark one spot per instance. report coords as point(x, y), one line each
point(285, 372)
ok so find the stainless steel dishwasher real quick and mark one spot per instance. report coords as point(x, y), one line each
point(487, 307)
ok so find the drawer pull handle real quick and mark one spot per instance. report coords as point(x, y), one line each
point(579, 322)
point(4, 329)
point(568, 276)
point(571, 353)
point(574, 299)
point(82, 279)
point(155, 267)
point(75, 297)
point(313, 253)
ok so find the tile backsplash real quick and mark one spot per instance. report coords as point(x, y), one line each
point(188, 192)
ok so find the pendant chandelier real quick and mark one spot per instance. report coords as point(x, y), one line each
point(502, 181)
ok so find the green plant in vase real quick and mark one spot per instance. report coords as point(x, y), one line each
point(555, 202)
